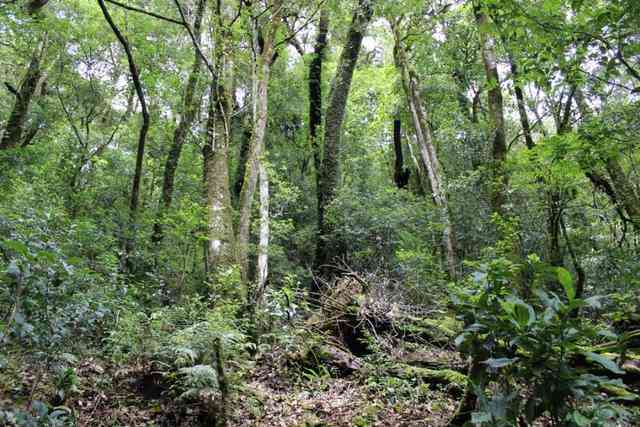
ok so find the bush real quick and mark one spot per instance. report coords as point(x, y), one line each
point(525, 349)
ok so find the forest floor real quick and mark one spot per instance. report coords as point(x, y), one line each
point(350, 362)
point(274, 393)
point(360, 359)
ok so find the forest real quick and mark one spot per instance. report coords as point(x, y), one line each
point(320, 213)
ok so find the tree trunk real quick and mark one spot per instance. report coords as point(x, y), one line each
point(263, 244)
point(189, 108)
point(220, 247)
point(315, 95)
point(129, 243)
point(522, 109)
point(329, 168)
point(428, 152)
point(400, 173)
point(260, 110)
point(499, 149)
point(243, 154)
point(13, 133)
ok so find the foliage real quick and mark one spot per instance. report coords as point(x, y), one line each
point(531, 348)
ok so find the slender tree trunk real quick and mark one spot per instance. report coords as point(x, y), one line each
point(263, 244)
point(15, 127)
point(129, 244)
point(260, 106)
point(427, 150)
point(522, 109)
point(315, 95)
point(400, 173)
point(190, 105)
point(499, 149)
point(243, 154)
point(329, 168)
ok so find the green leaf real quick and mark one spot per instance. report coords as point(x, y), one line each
point(580, 420)
point(500, 362)
point(607, 334)
point(565, 279)
point(594, 301)
point(18, 247)
point(521, 312)
point(13, 270)
point(480, 417)
point(603, 361)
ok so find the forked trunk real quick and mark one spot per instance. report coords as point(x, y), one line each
point(428, 153)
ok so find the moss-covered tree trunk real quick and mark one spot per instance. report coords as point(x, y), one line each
point(315, 95)
point(496, 112)
point(221, 238)
point(334, 117)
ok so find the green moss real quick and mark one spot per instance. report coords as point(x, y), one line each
point(439, 376)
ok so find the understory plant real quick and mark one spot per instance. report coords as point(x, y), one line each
point(532, 349)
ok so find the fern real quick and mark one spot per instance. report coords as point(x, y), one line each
point(197, 379)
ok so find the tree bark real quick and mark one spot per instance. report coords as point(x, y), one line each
point(400, 173)
point(243, 154)
point(522, 109)
point(329, 168)
point(499, 147)
point(260, 88)
point(221, 245)
point(263, 244)
point(129, 244)
point(428, 151)
point(315, 96)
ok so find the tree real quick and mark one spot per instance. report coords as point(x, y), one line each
point(496, 110)
point(428, 153)
point(129, 243)
point(264, 57)
point(330, 166)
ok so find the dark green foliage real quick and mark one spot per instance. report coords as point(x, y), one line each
point(531, 346)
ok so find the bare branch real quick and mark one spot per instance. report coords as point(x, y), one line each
point(144, 12)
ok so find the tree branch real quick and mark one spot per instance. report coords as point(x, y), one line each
point(144, 12)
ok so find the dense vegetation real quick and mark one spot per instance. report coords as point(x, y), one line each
point(320, 212)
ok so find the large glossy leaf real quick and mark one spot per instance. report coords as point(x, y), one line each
point(565, 279)
point(603, 361)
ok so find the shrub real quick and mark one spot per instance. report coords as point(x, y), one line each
point(525, 349)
